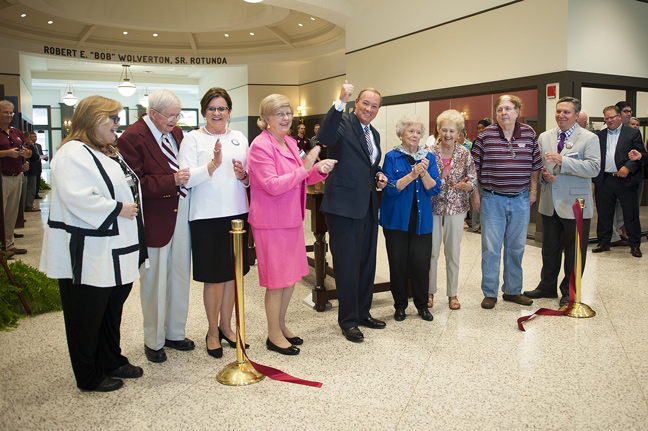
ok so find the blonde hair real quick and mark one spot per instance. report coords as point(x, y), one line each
point(451, 116)
point(90, 113)
point(269, 105)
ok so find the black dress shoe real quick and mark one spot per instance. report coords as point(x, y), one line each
point(292, 350)
point(635, 251)
point(399, 315)
point(155, 355)
point(126, 371)
point(185, 344)
point(601, 248)
point(295, 341)
point(373, 323)
point(564, 300)
point(353, 334)
point(215, 353)
point(540, 293)
point(18, 235)
point(108, 385)
point(231, 343)
point(38, 197)
point(425, 314)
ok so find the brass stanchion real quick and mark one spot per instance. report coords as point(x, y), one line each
point(241, 372)
point(578, 308)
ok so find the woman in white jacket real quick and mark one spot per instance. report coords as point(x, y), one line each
point(94, 243)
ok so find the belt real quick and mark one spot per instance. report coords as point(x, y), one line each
point(11, 175)
point(610, 174)
point(506, 195)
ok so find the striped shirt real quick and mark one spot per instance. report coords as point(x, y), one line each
point(502, 166)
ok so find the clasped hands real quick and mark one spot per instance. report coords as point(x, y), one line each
point(323, 167)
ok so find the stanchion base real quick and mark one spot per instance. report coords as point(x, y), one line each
point(579, 310)
point(236, 374)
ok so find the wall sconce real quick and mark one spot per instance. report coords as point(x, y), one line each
point(301, 111)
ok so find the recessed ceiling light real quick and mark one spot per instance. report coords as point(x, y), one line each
point(22, 15)
point(251, 34)
point(253, 1)
point(226, 35)
point(312, 19)
point(300, 24)
point(125, 32)
point(155, 35)
point(50, 22)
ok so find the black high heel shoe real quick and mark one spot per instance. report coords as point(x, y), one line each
point(216, 353)
point(292, 350)
point(295, 341)
point(232, 344)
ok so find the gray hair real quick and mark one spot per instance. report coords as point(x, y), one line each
point(163, 99)
point(405, 121)
point(7, 103)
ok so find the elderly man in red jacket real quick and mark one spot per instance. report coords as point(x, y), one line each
point(150, 146)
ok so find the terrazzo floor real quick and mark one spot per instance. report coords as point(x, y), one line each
point(468, 369)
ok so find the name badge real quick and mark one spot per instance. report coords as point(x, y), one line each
point(235, 142)
point(568, 145)
point(572, 155)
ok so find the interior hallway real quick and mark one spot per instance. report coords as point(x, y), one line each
point(468, 369)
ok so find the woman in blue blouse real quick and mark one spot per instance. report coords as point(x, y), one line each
point(406, 215)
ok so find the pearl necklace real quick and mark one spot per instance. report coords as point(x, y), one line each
point(215, 134)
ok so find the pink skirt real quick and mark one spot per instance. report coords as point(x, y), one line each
point(281, 256)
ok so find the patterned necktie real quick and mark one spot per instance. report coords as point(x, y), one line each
point(167, 149)
point(367, 132)
point(561, 143)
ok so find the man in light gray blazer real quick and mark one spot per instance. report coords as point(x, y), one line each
point(571, 157)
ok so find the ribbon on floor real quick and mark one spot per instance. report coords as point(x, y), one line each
point(578, 216)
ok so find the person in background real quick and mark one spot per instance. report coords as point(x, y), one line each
point(475, 215)
point(94, 243)
point(150, 146)
point(12, 159)
point(278, 180)
point(463, 138)
point(33, 175)
point(508, 163)
point(314, 141)
point(303, 143)
point(216, 157)
point(33, 137)
point(406, 216)
point(457, 181)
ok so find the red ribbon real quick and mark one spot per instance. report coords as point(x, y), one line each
point(578, 216)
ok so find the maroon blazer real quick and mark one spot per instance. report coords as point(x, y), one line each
point(160, 195)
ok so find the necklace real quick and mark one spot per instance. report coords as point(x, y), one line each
point(215, 134)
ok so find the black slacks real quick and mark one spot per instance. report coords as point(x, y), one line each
point(560, 234)
point(408, 253)
point(353, 247)
point(606, 194)
point(92, 320)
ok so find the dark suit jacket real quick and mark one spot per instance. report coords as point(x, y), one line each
point(160, 195)
point(629, 139)
point(351, 185)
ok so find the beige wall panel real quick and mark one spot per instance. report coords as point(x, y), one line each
point(516, 41)
point(317, 97)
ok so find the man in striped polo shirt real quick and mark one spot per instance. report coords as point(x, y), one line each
point(508, 162)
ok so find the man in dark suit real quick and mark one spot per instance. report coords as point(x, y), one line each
point(571, 157)
point(618, 179)
point(37, 147)
point(351, 205)
point(150, 147)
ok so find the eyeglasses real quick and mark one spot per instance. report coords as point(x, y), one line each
point(220, 109)
point(115, 118)
point(627, 111)
point(510, 148)
point(611, 118)
point(282, 115)
point(170, 117)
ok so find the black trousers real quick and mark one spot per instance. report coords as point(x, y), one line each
point(611, 189)
point(353, 247)
point(408, 253)
point(560, 234)
point(92, 320)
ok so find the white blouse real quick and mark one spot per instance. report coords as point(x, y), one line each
point(221, 194)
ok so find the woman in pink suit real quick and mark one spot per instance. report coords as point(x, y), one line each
point(278, 179)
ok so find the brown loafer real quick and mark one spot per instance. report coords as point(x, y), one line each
point(635, 251)
point(601, 248)
point(488, 303)
point(518, 299)
point(619, 243)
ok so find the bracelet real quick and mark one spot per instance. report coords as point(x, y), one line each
point(244, 176)
point(533, 191)
point(212, 163)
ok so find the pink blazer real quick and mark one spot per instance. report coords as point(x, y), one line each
point(277, 183)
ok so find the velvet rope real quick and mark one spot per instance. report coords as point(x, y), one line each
point(578, 216)
point(270, 372)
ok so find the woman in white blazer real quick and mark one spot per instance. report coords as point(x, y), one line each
point(94, 243)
